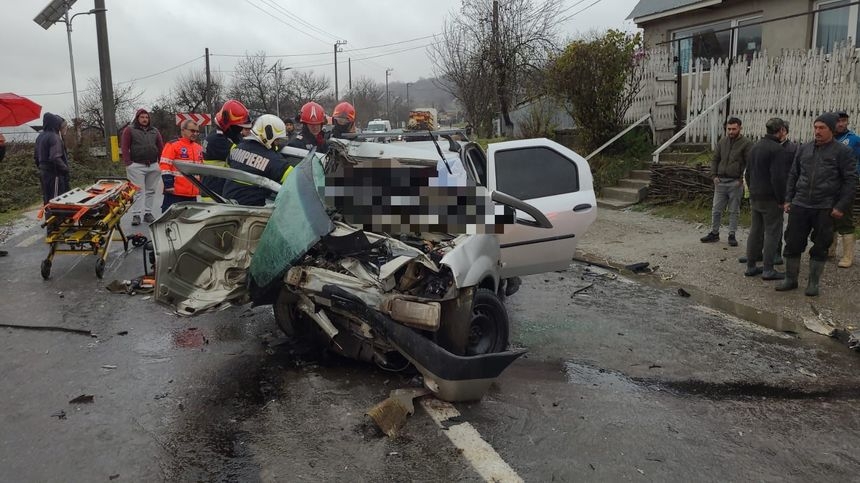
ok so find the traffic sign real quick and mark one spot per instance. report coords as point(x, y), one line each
point(200, 119)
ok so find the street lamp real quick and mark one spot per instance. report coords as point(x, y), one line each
point(58, 11)
point(387, 110)
point(277, 66)
point(407, 94)
point(336, 48)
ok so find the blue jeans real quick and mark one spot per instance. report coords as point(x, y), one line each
point(728, 192)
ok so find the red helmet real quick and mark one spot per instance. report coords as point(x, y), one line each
point(345, 112)
point(313, 113)
point(232, 113)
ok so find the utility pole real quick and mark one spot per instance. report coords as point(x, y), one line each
point(387, 109)
point(351, 94)
point(336, 46)
point(407, 94)
point(108, 103)
point(208, 99)
point(278, 72)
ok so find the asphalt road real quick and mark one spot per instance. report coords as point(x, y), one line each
point(622, 382)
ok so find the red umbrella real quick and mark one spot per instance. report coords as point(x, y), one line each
point(16, 110)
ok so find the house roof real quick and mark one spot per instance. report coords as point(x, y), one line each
point(647, 10)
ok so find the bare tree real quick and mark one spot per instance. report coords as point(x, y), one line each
point(462, 68)
point(506, 40)
point(126, 100)
point(254, 83)
point(368, 98)
point(189, 94)
point(304, 86)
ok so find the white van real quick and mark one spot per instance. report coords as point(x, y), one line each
point(378, 125)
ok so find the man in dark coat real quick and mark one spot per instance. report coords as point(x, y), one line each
point(821, 187)
point(766, 176)
point(51, 157)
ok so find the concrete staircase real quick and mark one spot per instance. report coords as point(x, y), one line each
point(629, 191)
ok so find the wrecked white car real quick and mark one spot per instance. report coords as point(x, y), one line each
point(430, 299)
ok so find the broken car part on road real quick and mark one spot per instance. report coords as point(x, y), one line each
point(430, 299)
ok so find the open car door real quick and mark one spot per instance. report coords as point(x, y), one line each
point(556, 181)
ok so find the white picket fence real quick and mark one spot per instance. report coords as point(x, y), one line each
point(657, 95)
point(796, 86)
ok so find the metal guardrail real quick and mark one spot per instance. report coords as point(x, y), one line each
point(619, 135)
point(655, 156)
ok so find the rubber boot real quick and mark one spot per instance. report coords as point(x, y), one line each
point(816, 268)
point(847, 251)
point(831, 253)
point(792, 268)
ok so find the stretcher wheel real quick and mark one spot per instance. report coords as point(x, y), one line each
point(46, 269)
point(100, 268)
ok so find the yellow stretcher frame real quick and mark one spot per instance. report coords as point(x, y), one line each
point(86, 221)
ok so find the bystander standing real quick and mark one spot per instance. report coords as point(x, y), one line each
point(727, 170)
point(141, 144)
point(51, 157)
point(186, 149)
point(844, 227)
point(821, 187)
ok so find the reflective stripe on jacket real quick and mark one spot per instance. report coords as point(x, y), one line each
point(180, 150)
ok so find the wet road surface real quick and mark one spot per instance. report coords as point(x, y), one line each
point(623, 381)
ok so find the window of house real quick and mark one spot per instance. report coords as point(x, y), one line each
point(836, 25)
point(535, 172)
point(714, 41)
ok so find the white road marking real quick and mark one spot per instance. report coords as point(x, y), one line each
point(466, 438)
point(30, 240)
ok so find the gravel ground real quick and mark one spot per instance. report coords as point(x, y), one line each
point(712, 273)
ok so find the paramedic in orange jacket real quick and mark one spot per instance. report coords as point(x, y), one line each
point(176, 186)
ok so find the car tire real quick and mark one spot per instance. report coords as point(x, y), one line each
point(489, 326)
point(289, 318)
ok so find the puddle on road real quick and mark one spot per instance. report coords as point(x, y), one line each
point(587, 375)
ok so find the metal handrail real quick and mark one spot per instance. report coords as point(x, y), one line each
point(618, 136)
point(655, 156)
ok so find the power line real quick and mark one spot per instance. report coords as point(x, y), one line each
point(574, 14)
point(315, 54)
point(567, 9)
point(279, 19)
point(122, 82)
point(276, 6)
point(368, 57)
point(391, 43)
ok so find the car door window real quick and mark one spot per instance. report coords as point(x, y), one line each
point(535, 172)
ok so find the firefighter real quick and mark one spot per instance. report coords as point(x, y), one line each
point(258, 154)
point(343, 118)
point(176, 186)
point(232, 123)
point(312, 117)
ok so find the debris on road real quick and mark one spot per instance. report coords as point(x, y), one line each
point(83, 399)
point(161, 396)
point(640, 267)
point(683, 293)
point(806, 372)
point(854, 340)
point(50, 328)
point(816, 325)
point(122, 332)
point(108, 366)
point(390, 415)
point(583, 289)
point(59, 415)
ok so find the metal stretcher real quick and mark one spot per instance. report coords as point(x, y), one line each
point(84, 221)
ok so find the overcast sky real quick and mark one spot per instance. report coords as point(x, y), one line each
point(153, 36)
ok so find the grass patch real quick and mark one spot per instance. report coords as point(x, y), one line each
point(608, 169)
point(697, 211)
point(20, 182)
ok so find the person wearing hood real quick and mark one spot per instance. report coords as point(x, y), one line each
point(312, 117)
point(141, 145)
point(232, 121)
point(51, 157)
point(821, 186)
point(844, 227)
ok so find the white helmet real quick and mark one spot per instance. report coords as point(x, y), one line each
point(268, 128)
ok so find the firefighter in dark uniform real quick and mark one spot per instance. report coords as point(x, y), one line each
point(258, 154)
point(231, 120)
point(312, 117)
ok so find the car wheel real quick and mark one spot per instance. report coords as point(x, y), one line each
point(488, 329)
point(288, 316)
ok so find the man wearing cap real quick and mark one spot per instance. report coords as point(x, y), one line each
point(821, 187)
point(844, 227)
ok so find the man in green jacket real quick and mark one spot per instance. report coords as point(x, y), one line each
point(727, 170)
